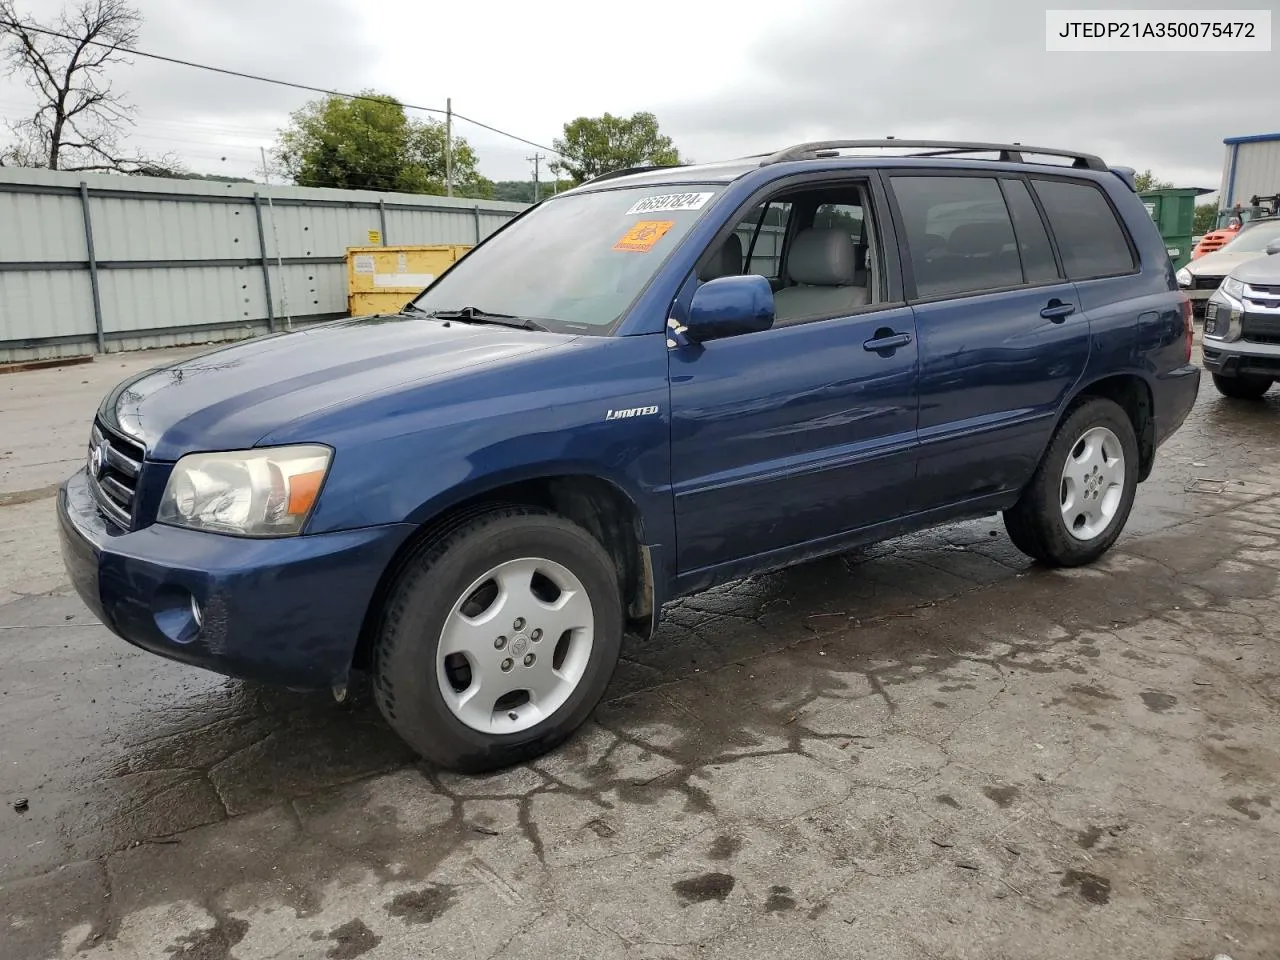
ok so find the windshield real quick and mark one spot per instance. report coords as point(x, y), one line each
point(576, 263)
point(1253, 239)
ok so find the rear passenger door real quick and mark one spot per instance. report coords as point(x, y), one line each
point(1002, 339)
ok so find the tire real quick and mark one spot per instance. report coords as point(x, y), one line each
point(1245, 387)
point(527, 554)
point(1037, 523)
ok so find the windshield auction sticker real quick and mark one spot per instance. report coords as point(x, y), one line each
point(671, 201)
point(641, 237)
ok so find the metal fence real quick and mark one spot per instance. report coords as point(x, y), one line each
point(97, 263)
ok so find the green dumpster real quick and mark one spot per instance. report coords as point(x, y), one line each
point(1174, 211)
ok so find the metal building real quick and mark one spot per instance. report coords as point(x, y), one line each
point(100, 262)
point(1251, 168)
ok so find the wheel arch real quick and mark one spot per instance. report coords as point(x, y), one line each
point(1132, 392)
point(597, 504)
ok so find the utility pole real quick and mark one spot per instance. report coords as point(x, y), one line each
point(275, 236)
point(535, 159)
point(448, 147)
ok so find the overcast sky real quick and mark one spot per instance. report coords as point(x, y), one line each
point(724, 78)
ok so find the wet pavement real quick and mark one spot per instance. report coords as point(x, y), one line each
point(927, 749)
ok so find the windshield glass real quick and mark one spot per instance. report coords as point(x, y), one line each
point(1253, 239)
point(576, 263)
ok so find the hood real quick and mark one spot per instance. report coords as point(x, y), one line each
point(1219, 264)
point(1261, 271)
point(229, 399)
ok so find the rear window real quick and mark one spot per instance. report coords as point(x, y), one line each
point(576, 263)
point(1090, 238)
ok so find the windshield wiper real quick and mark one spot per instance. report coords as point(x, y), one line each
point(413, 308)
point(476, 315)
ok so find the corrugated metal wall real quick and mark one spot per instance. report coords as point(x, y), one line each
point(182, 261)
point(1257, 171)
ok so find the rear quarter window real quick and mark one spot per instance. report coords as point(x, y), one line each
point(1091, 239)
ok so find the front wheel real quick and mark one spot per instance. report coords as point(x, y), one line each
point(1080, 496)
point(499, 639)
point(1243, 387)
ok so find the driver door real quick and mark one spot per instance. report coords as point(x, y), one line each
point(787, 439)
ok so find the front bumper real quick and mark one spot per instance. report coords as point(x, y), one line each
point(1241, 358)
point(286, 611)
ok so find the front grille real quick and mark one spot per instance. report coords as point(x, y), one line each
point(1207, 283)
point(1260, 328)
point(1265, 299)
point(113, 474)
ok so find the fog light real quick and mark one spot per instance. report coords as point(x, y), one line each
point(177, 614)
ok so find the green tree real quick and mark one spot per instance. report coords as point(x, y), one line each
point(1146, 180)
point(592, 146)
point(370, 144)
point(521, 191)
point(1206, 217)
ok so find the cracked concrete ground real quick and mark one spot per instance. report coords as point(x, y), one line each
point(929, 749)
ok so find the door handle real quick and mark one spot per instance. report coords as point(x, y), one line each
point(1057, 311)
point(886, 340)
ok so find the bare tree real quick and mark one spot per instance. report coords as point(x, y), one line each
point(79, 118)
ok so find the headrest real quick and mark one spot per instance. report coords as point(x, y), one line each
point(823, 257)
point(727, 261)
point(976, 239)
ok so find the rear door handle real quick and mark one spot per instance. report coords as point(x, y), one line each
point(1057, 311)
point(890, 342)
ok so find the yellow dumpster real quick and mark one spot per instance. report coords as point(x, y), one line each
point(384, 279)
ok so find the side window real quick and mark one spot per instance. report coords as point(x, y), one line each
point(840, 215)
point(1090, 238)
point(816, 246)
point(849, 218)
point(761, 239)
point(1033, 242)
point(959, 234)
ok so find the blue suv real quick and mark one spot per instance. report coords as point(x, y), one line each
point(659, 381)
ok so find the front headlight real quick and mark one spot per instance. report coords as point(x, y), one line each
point(1233, 288)
point(248, 493)
point(1223, 318)
point(1184, 277)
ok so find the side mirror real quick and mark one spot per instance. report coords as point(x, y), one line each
point(729, 306)
point(1271, 248)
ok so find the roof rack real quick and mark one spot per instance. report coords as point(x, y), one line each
point(1008, 152)
point(626, 172)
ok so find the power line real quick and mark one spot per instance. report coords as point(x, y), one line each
point(134, 51)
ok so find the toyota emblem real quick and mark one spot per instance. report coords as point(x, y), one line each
point(95, 460)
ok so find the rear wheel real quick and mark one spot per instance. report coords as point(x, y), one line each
point(1244, 387)
point(1080, 496)
point(498, 641)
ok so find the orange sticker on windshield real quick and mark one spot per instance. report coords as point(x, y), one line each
point(643, 235)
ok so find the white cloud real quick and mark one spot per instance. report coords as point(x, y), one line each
point(724, 78)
